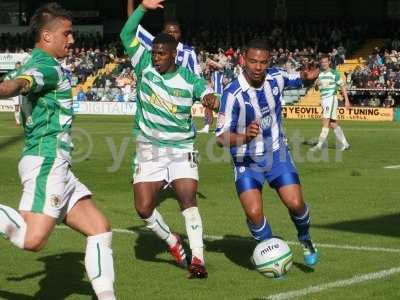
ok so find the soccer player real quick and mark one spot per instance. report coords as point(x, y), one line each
point(16, 99)
point(185, 54)
point(51, 192)
point(250, 124)
point(165, 136)
point(328, 84)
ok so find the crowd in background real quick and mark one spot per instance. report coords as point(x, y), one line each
point(220, 47)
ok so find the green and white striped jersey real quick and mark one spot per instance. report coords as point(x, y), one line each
point(329, 82)
point(46, 111)
point(164, 102)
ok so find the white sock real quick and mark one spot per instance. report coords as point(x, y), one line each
point(206, 127)
point(157, 224)
point(12, 225)
point(323, 136)
point(194, 230)
point(340, 136)
point(99, 265)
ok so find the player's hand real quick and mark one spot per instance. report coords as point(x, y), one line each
point(252, 130)
point(310, 74)
point(152, 4)
point(211, 101)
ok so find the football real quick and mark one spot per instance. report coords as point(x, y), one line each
point(272, 258)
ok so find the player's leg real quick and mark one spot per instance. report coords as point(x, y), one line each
point(183, 175)
point(43, 181)
point(145, 196)
point(327, 108)
point(26, 230)
point(249, 186)
point(87, 219)
point(340, 137)
point(284, 178)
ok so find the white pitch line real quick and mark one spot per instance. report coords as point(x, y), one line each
point(332, 246)
point(392, 167)
point(335, 284)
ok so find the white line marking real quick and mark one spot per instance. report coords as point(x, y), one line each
point(219, 238)
point(392, 167)
point(335, 284)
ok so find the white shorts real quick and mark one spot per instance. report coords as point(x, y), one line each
point(49, 186)
point(166, 168)
point(329, 107)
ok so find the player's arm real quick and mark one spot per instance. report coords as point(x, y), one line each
point(228, 117)
point(14, 87)
point(128, 33)
point(343, 89)
point(237, 139)
point(130, 7)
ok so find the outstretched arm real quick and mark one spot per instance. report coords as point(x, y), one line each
point(14, 87)
point(130, 28)
point(130, 7)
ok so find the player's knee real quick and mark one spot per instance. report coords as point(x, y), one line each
point(34, 243)
point(144, 211)
point(255, 215)
point(295, 204)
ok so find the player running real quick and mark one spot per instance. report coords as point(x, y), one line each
point(51, 192)
point(165, 134)
point(328, 84)
point(250, 124)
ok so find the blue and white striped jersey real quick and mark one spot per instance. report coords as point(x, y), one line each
point(217, 78)
point(185, 55)
point(241, 104)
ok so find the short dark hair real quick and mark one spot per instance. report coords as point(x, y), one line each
point(172, 21)
point(46, 14)
point(166, 39)
point(324, 55)
point(258, 44)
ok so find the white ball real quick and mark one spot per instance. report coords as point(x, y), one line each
point(273, 257)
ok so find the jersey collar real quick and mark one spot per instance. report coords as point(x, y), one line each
point(245, 85)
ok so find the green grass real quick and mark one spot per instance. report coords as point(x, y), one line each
point(354, 201)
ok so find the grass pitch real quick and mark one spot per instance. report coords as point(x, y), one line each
point(354, 208)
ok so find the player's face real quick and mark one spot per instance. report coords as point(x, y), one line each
point(173, 30)
point(324, 63)
point(256, 63)
point(59, 37)
point(163, 58)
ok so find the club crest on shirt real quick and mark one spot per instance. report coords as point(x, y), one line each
point(266, 122)
point(55, 201)
point(275, 91)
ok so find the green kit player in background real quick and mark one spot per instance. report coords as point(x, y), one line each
point(165, 135)
point(328, 83)
point(51, 192)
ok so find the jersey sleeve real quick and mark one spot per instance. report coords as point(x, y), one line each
point(228, 114)
point(139, 55)
point(291, 80)
point(200, 88)
point(40, 78)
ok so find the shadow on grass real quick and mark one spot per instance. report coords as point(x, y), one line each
point(387, 225)
point(10, 141)
point(63, 276)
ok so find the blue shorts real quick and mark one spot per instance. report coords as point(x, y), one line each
point(277, 168)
